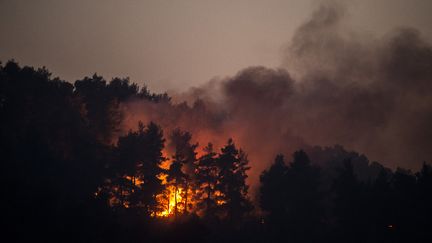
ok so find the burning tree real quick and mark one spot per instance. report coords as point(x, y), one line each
point(213, 185)
point(180, 172)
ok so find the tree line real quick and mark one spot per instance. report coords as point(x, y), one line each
point(65, 178)
point(210, 185)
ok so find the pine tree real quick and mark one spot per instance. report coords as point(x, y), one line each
point(233, 165)
point(303, 198)
point(138, 167)
point(180, 173)
point(149, 168)
point(206, 177)
point(272, 191)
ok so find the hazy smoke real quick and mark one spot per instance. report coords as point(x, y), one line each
point(369, 95)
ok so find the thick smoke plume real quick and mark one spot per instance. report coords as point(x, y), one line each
point(335, 86)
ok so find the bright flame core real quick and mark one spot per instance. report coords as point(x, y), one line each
point(171, 197)
point(168, 202)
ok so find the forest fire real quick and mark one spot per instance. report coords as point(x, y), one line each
point(332, 144)
point(183, 183)
point(170, 200)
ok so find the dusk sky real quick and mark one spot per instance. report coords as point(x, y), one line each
point(175, 44)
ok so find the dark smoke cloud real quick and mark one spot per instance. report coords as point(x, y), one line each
point(335, 86)
point(368, 94)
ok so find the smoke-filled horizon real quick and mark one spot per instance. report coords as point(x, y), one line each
point(336, 85)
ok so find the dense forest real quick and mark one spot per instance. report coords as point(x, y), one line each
point(69, 173)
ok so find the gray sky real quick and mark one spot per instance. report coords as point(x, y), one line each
point(174, 44)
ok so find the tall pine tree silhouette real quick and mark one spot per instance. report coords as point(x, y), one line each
point(207, 178)
point(182, 168)
point(233, 165)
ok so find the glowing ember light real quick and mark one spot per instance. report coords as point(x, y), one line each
point(136, 181)
point(219, 201)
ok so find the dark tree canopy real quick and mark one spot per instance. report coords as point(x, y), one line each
point(291, 196)
point(233, 165)
point(207, 179)
point(137, 167)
